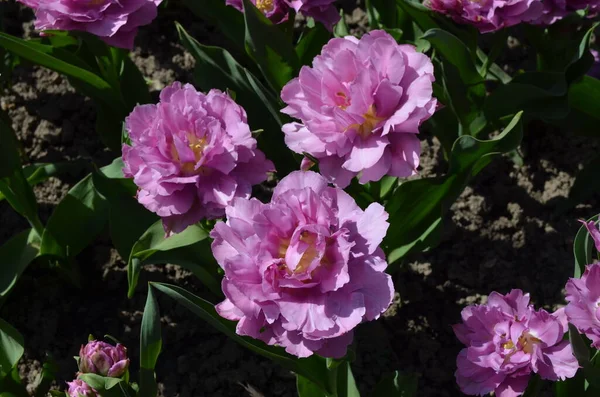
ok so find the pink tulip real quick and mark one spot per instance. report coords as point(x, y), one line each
point(506, 341)
point(114, 21)
point(360, 107)
point(191, 155)
point(304, 270)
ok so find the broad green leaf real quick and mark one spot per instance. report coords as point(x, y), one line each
point(311, 43)
point(150, 345)
point(580, 350)
point(216, 68)
point(583, 97)
point(12, 385)
point(269, 48)
point(229, 20)
point(384, 13)
point(534, 387)
point(539, 94)
point(573, 387)
point(44, 55)
point(15, 255)
point(197, 258)
point(46, 377)
point(341, 28)
point(387, 185)
point(76, 221)
point(464, 100)
point(419, 204)
point(133, 85)
point(457, 53)
point(153, 241)
point(396, 385)
point(107, 386)
point(11, 347)
point(40, 172)
point(128, 219)
point(583, 247)
point(346, 385)
point(14, 187)
point(306, 388)
point(109, 125)
point(114, 170)
point(312, 368)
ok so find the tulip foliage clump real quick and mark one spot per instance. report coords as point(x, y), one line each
point(286, 177)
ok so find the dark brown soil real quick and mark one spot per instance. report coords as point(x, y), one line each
point(503, 232)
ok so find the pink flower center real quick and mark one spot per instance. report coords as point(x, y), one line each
point(265, 6)
point(197, 145)
point(342, 100)
point(525, 343)
point(307, 257)
point(369, 123)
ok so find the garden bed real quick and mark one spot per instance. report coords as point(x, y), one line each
point(504, 232)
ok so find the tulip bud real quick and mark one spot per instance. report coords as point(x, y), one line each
point(79, 388)
point(104, 359)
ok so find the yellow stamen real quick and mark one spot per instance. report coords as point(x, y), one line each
point(508, 345)
point(265, 6)
point(527, 341)
point(346, 103)
point(197, 145)
point(370, 122)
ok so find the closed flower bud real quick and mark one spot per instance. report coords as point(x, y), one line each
point(79, 388)
point(104, 359)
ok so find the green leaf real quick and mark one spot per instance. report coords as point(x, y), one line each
point(384, 13)
point(133, 85)
point(311, 43)
point(114, 170)
point(417, 205)
point(105, 385)
point(45, 55)
point(269, 47)
point(109, 125)
point(15, 255)
point(153, 241)
point(463, 86)
point(45, 378)
point(539, 94)
point(12, 385)
point(341, 28)
point(583, 117)
point(306, 388)
point(13, 184)
point(583, 247)
point(346, 385)
point(455, 52)
point(40, 172)
point(11, 347)
point(229, 20)
point(572, 387)
point(396, 385)
point(580, 350)
point(150, 345)
point(75, 222)
point(534, 387)
point(128, 219)
point(216, 68)
point(312, 368)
